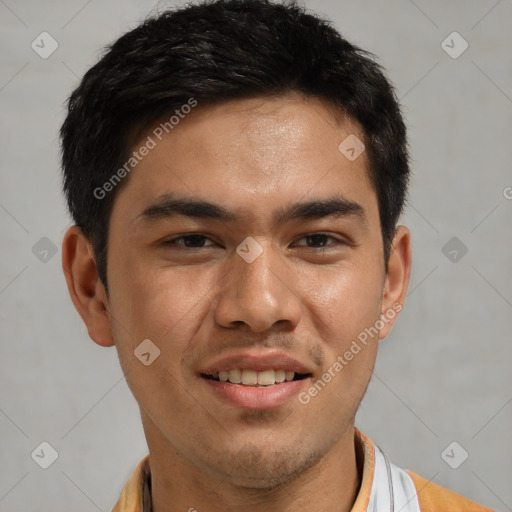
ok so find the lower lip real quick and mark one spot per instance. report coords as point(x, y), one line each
point(256, 398)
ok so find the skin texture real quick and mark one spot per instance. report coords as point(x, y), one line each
point(200, 303)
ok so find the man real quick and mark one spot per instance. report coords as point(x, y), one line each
point(236, 171)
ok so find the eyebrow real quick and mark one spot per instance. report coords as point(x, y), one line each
point(169, 206)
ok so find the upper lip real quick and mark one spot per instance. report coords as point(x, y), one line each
point(250, 360)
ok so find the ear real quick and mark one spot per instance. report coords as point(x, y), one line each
point(397, 279)
point(84, 286)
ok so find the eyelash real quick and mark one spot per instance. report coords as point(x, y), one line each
point(318, 249)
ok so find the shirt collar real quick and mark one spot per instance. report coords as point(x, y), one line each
point(136, 494)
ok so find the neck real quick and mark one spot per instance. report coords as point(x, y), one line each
point(332, 483)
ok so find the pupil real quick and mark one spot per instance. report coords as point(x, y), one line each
point(193, 240)
point(320, 239)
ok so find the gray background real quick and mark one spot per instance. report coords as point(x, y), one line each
point(444, 373)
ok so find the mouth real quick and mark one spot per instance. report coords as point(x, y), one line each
point(252, 378)
point(256, 380)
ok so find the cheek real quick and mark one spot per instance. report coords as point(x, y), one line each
point(344, 301)
point(164, 304)
point(344, 306)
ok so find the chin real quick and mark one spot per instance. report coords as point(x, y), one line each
point(252, 468)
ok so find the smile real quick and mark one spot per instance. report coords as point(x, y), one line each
point(256, 378)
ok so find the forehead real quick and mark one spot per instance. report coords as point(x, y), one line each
point(252, 156)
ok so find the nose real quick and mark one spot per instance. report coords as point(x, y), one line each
point(258, 295)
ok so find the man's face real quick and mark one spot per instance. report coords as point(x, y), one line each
point(210, 308)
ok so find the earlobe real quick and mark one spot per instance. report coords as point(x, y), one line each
point(397, 278)
point(84, 286)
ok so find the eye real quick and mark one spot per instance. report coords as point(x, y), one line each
point(191, 241)
point(319, 240)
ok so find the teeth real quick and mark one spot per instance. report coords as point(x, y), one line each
point(235, 376)
point(253, 378)
point(267, 378)
point(249, 377)
point(280, 375)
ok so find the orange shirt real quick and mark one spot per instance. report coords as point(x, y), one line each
point(384, 488)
